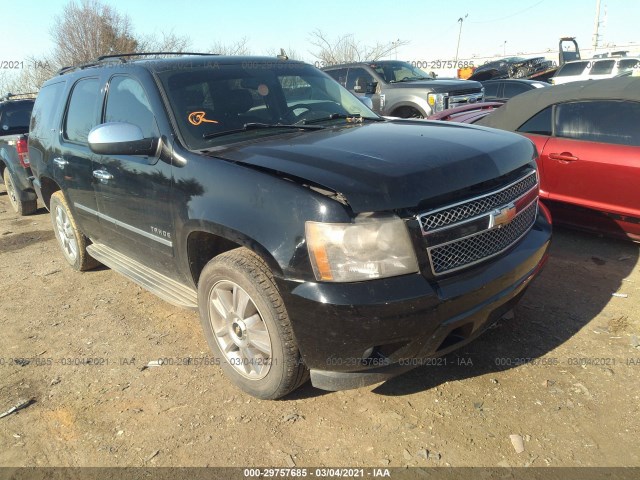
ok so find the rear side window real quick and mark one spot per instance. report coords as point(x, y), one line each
point(603, 67)
point(539, 124)
point(614, 122)
point(628, 64)
point(81, 113)
point(14, 117)
point(571, 69)
point(43, 116)
point(128, 102)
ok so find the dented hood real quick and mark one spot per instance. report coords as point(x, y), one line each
point(388, 165)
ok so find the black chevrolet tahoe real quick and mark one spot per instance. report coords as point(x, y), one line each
point(313, 236)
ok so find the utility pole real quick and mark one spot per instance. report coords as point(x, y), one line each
point(596, 25)
point(504, 49)
point(459, 35)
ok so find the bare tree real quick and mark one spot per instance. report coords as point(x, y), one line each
point(167, 42)
point(239, 47)
point(89, 29)
point(346, 48)
point(29, 79)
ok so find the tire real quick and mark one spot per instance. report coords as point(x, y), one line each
point(256, 347)
point(20, 207)
point(72, 241)
point(407, 112)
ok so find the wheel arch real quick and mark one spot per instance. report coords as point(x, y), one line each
point(48, 187)
point(209, 240)
point(409, 104)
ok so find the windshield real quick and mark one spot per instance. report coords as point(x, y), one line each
point(399, 72)
point(212, 105)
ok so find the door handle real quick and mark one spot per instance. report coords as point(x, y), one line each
point(60, 162)
point(564, 156)
point(102, 175)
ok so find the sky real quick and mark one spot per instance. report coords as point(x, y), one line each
point(431, 27)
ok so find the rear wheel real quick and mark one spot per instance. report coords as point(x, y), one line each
point(246, 325)
point(72, 241)
point(21, 207)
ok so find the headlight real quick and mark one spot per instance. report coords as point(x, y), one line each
point(371, 247)
point(437, 101)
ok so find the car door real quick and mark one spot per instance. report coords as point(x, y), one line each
point(358, 80)
point(134, 191)
point(593, 159)
point(539, 129)
point(73, 162)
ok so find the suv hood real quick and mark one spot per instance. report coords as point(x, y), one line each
point(389, 165)
point(439, 85)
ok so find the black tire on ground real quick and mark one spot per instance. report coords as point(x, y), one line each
point(226, 283)
point(71, 240)
point(21, 207)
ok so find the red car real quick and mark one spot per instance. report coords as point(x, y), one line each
point(588, 137)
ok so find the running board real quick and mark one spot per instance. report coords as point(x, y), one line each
point(169, 290)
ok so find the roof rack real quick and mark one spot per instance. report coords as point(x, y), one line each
point(122, 57)
point(9, 96)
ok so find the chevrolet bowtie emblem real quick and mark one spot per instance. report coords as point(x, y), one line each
point(502, 215)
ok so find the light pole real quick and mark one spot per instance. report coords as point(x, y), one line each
point(395, 47)
point(504, 49)
point(461, 19)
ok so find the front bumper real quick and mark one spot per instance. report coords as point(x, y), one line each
point(406, 318)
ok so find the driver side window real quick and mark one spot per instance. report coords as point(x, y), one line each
point(128, 102)
point(358, 77)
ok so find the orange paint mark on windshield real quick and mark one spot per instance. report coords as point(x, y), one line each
point(196, 118)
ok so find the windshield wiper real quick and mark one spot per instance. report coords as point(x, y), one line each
point(256, 126)
point(410, 79)
point(355, 118)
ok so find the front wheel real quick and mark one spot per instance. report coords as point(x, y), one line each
point(247, 326)
point(407, 112)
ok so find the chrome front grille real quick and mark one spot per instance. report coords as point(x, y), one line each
point(481, 246)
point(468, 232)
point(472, 208)
point(456, 99)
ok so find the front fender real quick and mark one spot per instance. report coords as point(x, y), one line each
point(254, 208)
point(413, 101)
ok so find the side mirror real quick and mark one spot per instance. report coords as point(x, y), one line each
point(372, 87)
point(118, 138)
point(367, 101)
point(357, 88)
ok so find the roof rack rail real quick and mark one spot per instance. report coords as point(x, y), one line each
point(120, 55)
point(14, 95)
point(69, 68)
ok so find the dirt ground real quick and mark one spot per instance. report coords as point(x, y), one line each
point(576, 403)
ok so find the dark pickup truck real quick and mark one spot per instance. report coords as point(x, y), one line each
point(312, 235)
point(15, 111)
